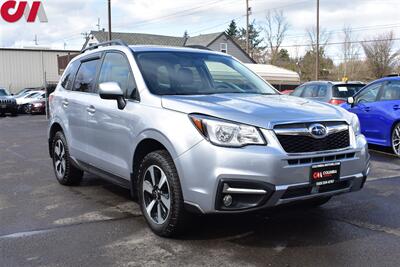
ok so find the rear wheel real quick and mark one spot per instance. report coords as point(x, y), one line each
point(396, 139)
point(66, 173)
point(160, 194)
point(26, 109)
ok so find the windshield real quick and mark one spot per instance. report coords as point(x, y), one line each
point(3, 92)
point(184, 73)
point(346, 90)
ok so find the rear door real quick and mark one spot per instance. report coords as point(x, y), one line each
point(110, 129)
point(387, 110)
point(76, 104)
point(365, 107)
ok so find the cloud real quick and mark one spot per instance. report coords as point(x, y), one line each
point(69, 18)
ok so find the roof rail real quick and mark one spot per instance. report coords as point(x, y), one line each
point(393, 75)
point(198, 47)
point(112, 42)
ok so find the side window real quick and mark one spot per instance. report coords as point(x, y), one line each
point(68, 77)
point(224, 47)
point(322, 90)
point(116, 68)
point(369, 94)
point(86, 76)
point(298, 91)
point(310, 91)
point(391, 91)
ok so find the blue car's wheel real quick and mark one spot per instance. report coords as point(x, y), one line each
point(396, 139)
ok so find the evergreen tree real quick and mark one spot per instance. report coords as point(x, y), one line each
point(232, 30)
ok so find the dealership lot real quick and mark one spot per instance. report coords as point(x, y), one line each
point(44, 223)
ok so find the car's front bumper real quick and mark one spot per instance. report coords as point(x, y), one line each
point(8, 109)
point(285, 178)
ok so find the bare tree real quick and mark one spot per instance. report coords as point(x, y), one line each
point(380, 56)
point(324, 37)
point(275, 29)
point(350, 52)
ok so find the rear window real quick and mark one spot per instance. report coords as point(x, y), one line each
point(346, 90)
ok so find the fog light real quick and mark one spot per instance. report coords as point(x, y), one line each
point(227, 200)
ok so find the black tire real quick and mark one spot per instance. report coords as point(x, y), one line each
point(26, 109)
point(66, 173)
point(176, 217)
point(395, 139)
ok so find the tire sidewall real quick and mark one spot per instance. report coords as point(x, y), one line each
point(60, 136)
point(392, 139)
point(159, 161)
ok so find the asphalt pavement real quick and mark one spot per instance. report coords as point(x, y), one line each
point(96, 224)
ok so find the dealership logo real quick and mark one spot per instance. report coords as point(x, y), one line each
point(13, 11)
point(318, 131)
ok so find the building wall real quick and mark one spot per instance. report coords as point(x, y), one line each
point(21, 68)
point(233, 50)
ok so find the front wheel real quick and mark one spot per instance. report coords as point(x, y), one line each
point(396, 139)
point(66, 173)
point(160, 194)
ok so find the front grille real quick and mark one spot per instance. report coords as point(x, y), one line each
point(6, 101)
point(324, 159)
point(307, 190)
point(304, 144)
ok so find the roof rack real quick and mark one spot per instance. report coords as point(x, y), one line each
point(112, 42)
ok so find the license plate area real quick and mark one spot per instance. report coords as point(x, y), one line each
point(3, 106)
point(324, 174)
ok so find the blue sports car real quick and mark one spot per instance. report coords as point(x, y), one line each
point(378, 107)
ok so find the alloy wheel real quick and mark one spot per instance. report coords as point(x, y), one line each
point(396, 140)
point(156, 194)
point(59, 159)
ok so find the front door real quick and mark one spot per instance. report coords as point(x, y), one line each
point(110, 130)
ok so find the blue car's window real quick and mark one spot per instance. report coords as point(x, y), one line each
point(391, 91)
point(185, 73)
point(369, 94)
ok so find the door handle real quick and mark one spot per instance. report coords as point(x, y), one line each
point(396, 107)
point(91, 110)
point(65, 103)
point(367, 109)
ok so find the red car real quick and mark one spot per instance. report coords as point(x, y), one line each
point(37, 107)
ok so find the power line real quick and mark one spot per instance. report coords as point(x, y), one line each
point(341, 43)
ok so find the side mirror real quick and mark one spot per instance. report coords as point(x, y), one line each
point(351, 101)
point(112, 91)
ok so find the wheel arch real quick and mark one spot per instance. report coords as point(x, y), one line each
point(55, 127)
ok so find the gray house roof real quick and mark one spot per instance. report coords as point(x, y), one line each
point(204, 39)
point(141, 38)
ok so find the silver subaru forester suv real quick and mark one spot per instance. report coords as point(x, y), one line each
point(195, 131)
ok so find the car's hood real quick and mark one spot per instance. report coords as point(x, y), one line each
point(258, 110)
point(6, 97)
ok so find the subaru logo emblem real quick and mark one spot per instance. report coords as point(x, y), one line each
point(318, 131)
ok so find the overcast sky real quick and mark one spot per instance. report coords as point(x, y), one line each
point(69, 18)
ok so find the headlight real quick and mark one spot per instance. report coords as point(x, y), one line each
point(224, 133)
point(355, 124)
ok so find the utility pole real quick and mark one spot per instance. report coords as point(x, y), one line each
point(247, 27)
point(98, 24)
point(317, 56)
point(109, 21)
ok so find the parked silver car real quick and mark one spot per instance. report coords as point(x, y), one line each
point(189, 130)
point(335, 93)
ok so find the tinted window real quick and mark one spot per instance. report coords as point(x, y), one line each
point(116, 68)
point(183, 73)
point(369, 94)
point(310, 91)
point(68, 77)
point(322, 90)
point(346, 90)
point(391, 91)
point(3, 92)
point(298, 91)
point(86, 76)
